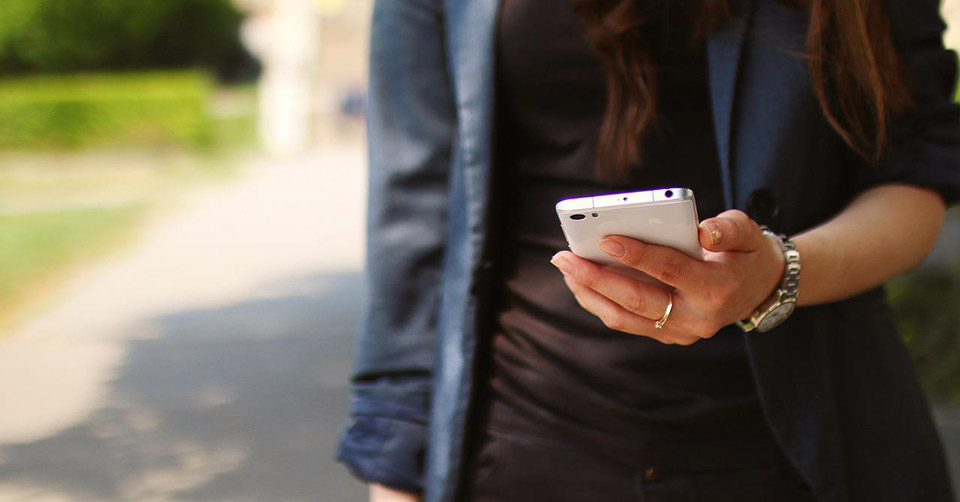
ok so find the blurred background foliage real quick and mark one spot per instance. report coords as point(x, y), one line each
point(926, 304)
point(57, 36)
point(128, 73)
point(74, 111)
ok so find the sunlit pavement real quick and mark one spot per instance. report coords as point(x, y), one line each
point(209, 362)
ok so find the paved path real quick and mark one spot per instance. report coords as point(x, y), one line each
point(209, 362)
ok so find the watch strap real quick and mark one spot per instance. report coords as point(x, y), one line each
point(788, 291)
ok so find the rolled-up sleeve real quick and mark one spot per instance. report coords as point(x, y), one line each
point(386, 440)
point(924, 147)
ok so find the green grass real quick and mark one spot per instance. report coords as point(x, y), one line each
point(92, 110)
point(35, 248)
point(61, 207)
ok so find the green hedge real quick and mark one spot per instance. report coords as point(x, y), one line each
point(142, 109)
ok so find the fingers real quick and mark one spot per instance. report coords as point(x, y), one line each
point(612, 315)
point(622, 303)
point(728, 231)
point(637, 297)
point(617, 318)
point(670, 266)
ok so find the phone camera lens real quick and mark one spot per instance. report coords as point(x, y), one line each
point(577, 217)
point(668, 194)
point(595, 215)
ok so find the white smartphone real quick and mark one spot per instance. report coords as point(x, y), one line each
point(666, 217)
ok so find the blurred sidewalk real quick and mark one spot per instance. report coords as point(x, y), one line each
point(209, 362)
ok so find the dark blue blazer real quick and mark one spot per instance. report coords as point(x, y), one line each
point(835, 380)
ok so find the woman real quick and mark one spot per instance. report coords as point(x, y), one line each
point(483, 373)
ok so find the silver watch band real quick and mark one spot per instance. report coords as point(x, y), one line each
point(791, 267)
point(784, 296)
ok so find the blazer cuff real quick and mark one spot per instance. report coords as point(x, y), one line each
point(385, 442)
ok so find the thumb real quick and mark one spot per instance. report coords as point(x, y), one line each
point(731, 230)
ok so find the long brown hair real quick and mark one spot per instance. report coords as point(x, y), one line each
point(853, 67)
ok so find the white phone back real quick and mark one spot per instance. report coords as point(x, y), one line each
point(650, 216)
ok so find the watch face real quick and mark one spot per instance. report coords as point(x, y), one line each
point(776, 316)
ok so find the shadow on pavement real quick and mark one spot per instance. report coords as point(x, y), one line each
point(237, 403)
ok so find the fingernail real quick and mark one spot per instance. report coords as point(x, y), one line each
point(612, 248)
point(715, 235)
point(564, 265)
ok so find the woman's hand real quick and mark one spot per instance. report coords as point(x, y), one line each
point(741, 268)
point(380, 493)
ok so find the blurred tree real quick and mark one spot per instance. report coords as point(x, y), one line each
point(55, 36)
point(924, 303)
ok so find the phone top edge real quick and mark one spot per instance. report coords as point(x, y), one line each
point(625, 199)
point(677, 194)
point(577, 204)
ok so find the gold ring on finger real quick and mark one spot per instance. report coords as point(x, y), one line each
point(666, 315)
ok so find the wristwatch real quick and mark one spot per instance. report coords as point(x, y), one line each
point(778, 307)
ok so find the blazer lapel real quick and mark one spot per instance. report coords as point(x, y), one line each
point(723, 60)
point(471, 30)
